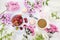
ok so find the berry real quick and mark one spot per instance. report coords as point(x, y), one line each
point(25, 19)
point(21, 28)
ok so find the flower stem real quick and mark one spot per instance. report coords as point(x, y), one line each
point(3, 11)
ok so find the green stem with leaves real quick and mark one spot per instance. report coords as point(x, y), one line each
point(39, 37)
point(46, 2)
point(7, 36)
point(54, 14)
point(1, 31)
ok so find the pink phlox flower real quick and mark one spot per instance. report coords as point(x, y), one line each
point(52, 29)
point(30, 10)
point(29, 7)
point(38, 4)
point(5, 18)
point(31, 28)
point(26, 4)
point(13, 6)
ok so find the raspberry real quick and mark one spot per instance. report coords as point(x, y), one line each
point(24, 26)
point(21, 28)
point(25, 19)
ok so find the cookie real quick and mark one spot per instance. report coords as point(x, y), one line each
point(42, 23)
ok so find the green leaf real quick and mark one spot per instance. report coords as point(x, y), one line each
point(43, 3)
point(53, 14)
point(9, 38)
point(47, 2)
point(28, 2)
point(57, 17)
point(17, 28)
point(0, 38)
point(33, 5)
point(39, 37)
